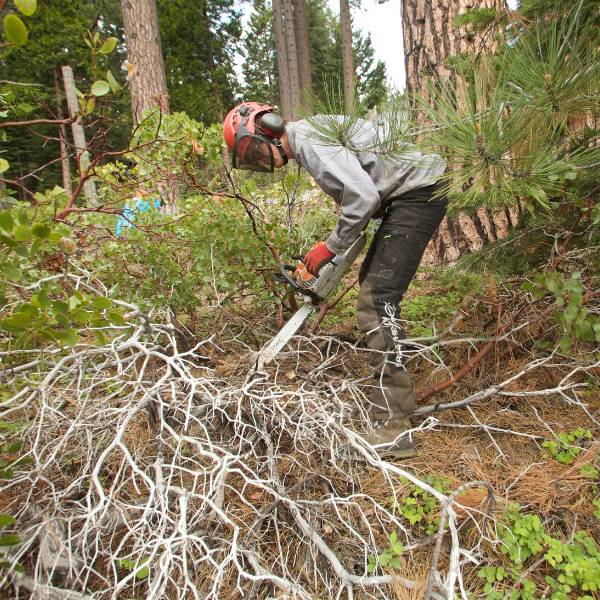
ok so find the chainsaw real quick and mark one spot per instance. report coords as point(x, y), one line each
point(314, 291)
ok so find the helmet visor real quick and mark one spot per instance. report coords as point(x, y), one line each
point(254, 153)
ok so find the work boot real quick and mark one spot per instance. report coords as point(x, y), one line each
point(385, 438)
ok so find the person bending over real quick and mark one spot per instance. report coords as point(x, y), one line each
point(365, 185)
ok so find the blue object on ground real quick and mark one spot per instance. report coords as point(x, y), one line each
point(127, 219)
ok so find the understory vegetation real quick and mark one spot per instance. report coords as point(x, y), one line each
point(143, 455)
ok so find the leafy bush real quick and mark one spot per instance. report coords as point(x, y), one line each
point(389, 557)
point(419, 507)
point(567, 447)
point(573, 568)
point(577, 321)
point(211, 256)
point(450, 286)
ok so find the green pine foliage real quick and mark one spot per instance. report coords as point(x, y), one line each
point(507, 124)
point(259, 67)
point(260, 70)
point(199, 41)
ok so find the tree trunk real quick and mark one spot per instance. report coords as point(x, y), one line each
point(64, 154)
point(292, 55)
point(430, 37)
point(148, 85)
point(302, 47)
point(347, 58)
point(82, 154)
point(282, 61)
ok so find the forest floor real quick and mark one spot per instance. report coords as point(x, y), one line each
point(165, 466)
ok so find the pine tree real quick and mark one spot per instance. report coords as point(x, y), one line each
point(347, 54)
point(325, 38)
point(521, 134)
point(144, 53)
point(202, 38)
point(303, 50)
point(259, 66)
point(261, 76)
point(440, 41)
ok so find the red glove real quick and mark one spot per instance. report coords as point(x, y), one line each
point(316, 257)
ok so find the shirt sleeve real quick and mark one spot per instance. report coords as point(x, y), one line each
point(339, 173)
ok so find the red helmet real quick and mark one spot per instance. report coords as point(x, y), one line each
point(249, 130)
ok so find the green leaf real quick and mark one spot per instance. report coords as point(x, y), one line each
point(60, 307)
point(27, 7)
point(114, 86)
point(100, 338)
point(116, 318)
point(100, 88)
point(40, 230)
point(13, 448)
point(142, 573)
point(15, 30)
point(4, 165)
point(22, 233)
point(6, 221)
point(108, 46)
point(398, 548)
point(29, 308)
point(15, 322)
point(101, 302)
point(6, 520)
point(588, 471)
point(90, 105)
point(9, 539)
point(68, 337)
point(13, 273)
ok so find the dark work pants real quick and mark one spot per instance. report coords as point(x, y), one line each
point(391, 263)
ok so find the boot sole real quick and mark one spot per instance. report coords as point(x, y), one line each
point(407, 453)
point(400, 454)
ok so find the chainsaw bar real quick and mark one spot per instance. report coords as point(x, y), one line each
point(287, 332)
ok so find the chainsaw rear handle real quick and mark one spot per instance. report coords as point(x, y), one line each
point(284, 277)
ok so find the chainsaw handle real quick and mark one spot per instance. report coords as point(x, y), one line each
point(284, 277)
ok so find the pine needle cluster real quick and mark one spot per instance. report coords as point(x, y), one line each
point(515, 125)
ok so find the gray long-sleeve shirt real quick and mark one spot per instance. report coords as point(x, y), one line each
point(360, 182)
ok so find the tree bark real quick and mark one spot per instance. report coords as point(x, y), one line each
point(82, 154)
point(282, 61)
point(147, 70)
point(430, 37)
point(303, 50)
point(64, 154)
point(292, 56)
point(347, 58)
point(148, 84)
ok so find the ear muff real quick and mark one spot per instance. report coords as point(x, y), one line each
point(272, 124)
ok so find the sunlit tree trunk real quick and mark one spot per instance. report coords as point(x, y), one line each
point(148, 85)
point(64, 153)
point(347, 59)
point(430, 37)
point(292, 55)
point(81, 152)
point(147, 81)
point(282, 61)
point(302, 48)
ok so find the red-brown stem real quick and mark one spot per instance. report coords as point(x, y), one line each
point(327, 306)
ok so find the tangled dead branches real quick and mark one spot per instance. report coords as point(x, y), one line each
point(152, 475)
